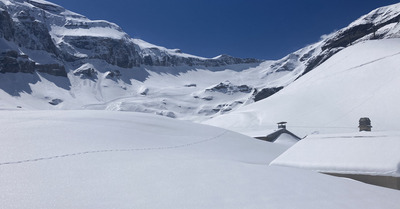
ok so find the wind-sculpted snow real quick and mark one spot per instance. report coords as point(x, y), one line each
point(103, 159)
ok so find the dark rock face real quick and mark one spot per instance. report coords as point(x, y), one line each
point(169, 60)
point(221, 108)
point(113, 51)
point(347, 37)
point(229, 60)
point(225, 108)
point(115, 74)
point(33, 34)
point(351, 35)
point(319, 59)
point(6, 26)
point(208, 98)
point(11, 62)
point(55, 102)
point(191, 85)
point(86, 73)
point(339, 42)
point(52, 69)
point(228, 88)
point(265, 93)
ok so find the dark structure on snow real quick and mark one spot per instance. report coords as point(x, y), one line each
point(275, 135)
point(365, 124)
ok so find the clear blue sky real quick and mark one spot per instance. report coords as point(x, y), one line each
point(264, 29)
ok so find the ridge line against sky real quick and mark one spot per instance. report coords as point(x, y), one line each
point(241, 28)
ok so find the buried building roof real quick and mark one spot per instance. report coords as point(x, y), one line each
point(281, 136)
point(365, 153)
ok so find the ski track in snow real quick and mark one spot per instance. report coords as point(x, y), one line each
point(349, 69)
point(367, 63)
point(116, 150)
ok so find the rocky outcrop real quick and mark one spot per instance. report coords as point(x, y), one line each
point(228, 88)
point(169, 60)
point(265, 93)
point(32, 34)
point(115, 52)
point(378, 24)
point(86, 73)
point(51, 69)
point(114, 74)
point(12, 62)
point(6, 26)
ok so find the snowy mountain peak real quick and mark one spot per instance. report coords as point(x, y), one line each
point(380, 15)
point(73, 38)
point(48, 53)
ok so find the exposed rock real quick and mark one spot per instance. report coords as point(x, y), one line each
point(265, 93)
point(114, 74)
point(33, 34)
point(86, 73)
point(157, 56)
point(144, 91)
point(11, 63)
point(55, 101)
point(6, 26)
point(208, 98)
point(191, 85)
point(113, 51)
point(52, 69)
point(207, 111)
point(228, 88)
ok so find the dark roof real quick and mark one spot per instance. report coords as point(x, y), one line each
point(275, 135)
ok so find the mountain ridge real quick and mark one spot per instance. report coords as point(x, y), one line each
point(100, 66)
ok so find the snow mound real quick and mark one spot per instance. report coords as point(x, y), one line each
point(101, 159)
point(367, 153)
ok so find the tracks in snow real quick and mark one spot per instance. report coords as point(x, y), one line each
point(114, 150)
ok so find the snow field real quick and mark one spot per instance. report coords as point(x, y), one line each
point(359, 81)
point(102, 159)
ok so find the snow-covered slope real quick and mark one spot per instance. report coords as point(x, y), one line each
point(52, 58)
point(360, 81)
point(103, 159)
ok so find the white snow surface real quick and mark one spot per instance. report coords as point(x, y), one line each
point(93, 32)
point(368, 153)
point(286, 139)
point(359, 81)
point(102, 159)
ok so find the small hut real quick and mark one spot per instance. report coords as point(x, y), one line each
point(281, 135)
point(365, 124)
